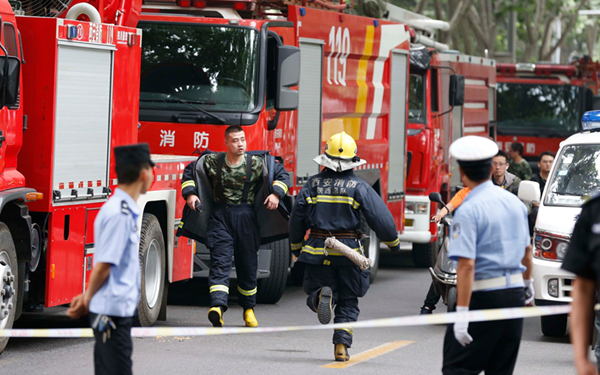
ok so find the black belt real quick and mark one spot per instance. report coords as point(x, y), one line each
point(339, 234)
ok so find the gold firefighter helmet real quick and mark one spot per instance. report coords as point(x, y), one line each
point(340, 153)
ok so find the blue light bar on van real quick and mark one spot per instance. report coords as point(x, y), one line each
point(591, 120)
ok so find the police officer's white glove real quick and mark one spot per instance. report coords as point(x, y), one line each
point(529, 291)
point(461, 327)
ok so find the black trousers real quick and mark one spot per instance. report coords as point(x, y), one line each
point(495, 344)
point(348, 284)
point(113, 356)
point(432, 298)
point(233, 235)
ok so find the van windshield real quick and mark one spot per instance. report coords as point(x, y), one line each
point(576, 177)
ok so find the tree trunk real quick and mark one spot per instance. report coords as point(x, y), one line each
point(421, 5)
point(591, 37)
point(570, 24)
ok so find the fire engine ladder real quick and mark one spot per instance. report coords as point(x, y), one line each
point(424, 28)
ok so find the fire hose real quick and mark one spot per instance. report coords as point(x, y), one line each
point(356, 257)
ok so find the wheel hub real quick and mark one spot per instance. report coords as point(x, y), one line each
point(152, 276)
point(7, 291)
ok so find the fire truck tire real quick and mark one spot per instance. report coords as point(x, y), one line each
point(9, 282)
point(371, 246)
point(271, 289)
point(153, 264)
point(554, 325)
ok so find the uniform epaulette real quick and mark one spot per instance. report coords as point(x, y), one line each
point(125, 208)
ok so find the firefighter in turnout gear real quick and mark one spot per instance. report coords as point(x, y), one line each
point(331, 204)
point(235, 178)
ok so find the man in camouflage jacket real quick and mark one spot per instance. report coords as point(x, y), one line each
point(234, 195)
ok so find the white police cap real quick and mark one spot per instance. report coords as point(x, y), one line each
point(473, 149)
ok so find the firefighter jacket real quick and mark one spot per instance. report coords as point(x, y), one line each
point(332, 201)
point(275, 179)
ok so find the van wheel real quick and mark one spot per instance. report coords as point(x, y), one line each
point(271, 289)
point(152, 262)
point(554, 325)
point(9, 282)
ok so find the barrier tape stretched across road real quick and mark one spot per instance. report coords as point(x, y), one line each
point(415, 320)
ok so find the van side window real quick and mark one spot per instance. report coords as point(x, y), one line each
point(10, 39)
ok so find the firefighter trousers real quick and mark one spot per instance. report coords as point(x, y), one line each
point(233, 235)
point(348, 284)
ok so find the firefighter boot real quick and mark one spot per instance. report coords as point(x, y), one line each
point(250, 318)
point(325, 308)
point(341, 353)
point(215, 315)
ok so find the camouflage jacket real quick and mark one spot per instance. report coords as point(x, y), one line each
point(233, 179)
point(521, 170)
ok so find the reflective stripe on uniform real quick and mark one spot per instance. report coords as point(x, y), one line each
point(219, 288)
point(333, 199)
point(187, 184)
point(296, 246)
point(349, 330)
point(247, 293)
point(393, 243)
point(282, 185)
point(321, 251)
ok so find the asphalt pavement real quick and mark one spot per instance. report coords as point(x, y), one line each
point(399, 290)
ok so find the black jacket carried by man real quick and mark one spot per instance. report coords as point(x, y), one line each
point(273, 224)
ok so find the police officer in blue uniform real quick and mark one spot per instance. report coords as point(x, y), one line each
point(490, 240)
point(331, 204)
point(114, 289)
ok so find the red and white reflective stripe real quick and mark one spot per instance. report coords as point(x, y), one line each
point(370, 166)
point(168, 177)
point(78, 185)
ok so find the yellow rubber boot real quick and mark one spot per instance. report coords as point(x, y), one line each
point(215, 315)
point(341, 353)
point(250, 318)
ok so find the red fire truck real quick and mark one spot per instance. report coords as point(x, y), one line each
point(209, 64)
point(438, 77)
point(540, 105)
point(69, 95)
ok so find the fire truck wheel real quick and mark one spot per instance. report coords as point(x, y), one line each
point(554, 325)
point(371, 247)
point(271, 289)
point(152, 261)
point(9, 281)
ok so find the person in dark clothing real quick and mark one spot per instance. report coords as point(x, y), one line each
point(233, 231)
point(331, 204)
point(545, 161)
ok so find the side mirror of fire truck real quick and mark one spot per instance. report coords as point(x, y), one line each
point(288, 75)
point(457, 90)
point(9, 80)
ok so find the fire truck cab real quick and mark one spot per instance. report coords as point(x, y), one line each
point(450, 95)
point(540, 105)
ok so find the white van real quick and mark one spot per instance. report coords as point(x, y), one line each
point(574, 178)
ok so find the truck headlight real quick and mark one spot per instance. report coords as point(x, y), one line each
point(553, 287)
point(416, 208)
